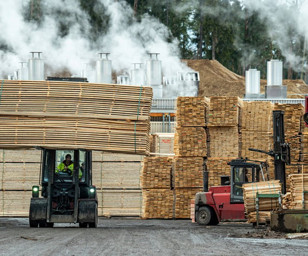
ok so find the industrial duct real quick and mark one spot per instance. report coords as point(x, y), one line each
point(23, 72)
point(137, 74)
point(274, 72)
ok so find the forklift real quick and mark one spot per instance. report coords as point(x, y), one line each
point(226, 202)
point(66, 196)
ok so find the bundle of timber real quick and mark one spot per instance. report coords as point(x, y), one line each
point(188, 172)
point(156, 172)
point(264, 217)
point(286, 200)
point(157, 203)
point(298, 186)
point(257, 140)
point(183, 197)
point(91, 116)
point(250, 191)
point(15, 203)
point(218, 169)
point(224, 111)
point(192, 111)
point(293, 126)
point(224, 142)
point(190, 141)
point(257, 116)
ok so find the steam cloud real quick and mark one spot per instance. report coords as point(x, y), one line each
point(127, 40)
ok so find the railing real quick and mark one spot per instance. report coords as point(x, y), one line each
point(161, 127)
point(163, 105)
point(283, 101)
point(169, 105)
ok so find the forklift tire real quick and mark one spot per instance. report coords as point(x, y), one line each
point(46, 225)
point(83, 225)
point(204, 216)
point(94, 224)
point(33, 223)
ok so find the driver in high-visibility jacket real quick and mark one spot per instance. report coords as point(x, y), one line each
point(67, 166)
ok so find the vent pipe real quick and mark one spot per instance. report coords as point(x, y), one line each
point(252, 83)
point(36, 67)
point(23, 72)
point(274, 88)
point(154, 75)
point(123, 79)
point(137, 74)
point(274, 72)
point(103, 69)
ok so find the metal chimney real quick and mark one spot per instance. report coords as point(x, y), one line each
point(36, 67)
point(23, 72)
point(252, 83)
point(137, 74)
point(103, 69)
point(123, 79)
point(274, 72)
point(274, 88)
point(154, 75)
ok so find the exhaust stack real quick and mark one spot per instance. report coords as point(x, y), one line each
point(252, 83)
point(274, 88)
point(154, 75)
point(137, 74)
point(103, 69)
point(23, 72)
point(36, 67)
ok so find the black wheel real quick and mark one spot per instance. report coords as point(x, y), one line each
point(94, 224)
point(204, 216)
point(49, 225)
point(33, 223)
point(83, 225)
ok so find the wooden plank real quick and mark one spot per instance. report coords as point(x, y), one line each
point(20, 155)
point(188, 172)
point(190, 141)
point(156, 173)
point(15, 203)
point(121, 203)
point(192, 111)
point(157, 203)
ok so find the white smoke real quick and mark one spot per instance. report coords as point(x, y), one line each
point(127, 40)
point(286, 20)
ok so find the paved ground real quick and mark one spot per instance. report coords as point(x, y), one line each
point(143, 237)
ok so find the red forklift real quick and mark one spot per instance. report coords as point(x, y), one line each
point(226, 202)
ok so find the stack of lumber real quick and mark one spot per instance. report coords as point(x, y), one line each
point(286, 200)
point(250, 191)
point(224, 127)
point(257, 131)
point(190, 141)
point(298, 184)
point(192, 111)
point(77, 115)
point(293, 125)
point(156, 173)
point(224, 111)
point(264, 217)
point(19, 171)
point(157, 203)
point(183, 197)
point(224, 142)
point(217, 167)
point(188, 172)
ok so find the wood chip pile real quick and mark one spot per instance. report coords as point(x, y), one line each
point(250, 191)
point(91, 116)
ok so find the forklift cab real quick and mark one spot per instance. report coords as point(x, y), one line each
point(67, 193)
point(243, 171)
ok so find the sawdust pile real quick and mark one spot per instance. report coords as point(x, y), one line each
point(217, 80)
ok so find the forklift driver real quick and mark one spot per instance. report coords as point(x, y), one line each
point(66, 166)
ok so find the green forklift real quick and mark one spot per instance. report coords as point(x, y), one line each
point(67, 194)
